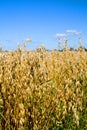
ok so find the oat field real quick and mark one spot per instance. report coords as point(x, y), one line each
point(43, 90)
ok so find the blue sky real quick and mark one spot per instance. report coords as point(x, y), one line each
point(40, 20)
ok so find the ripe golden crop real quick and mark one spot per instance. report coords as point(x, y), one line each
point(42, 90)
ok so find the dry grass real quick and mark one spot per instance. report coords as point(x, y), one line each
point(43, 90)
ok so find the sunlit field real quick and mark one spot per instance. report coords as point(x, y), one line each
point(43, 90)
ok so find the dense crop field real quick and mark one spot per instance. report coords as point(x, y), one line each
point(43, 90)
